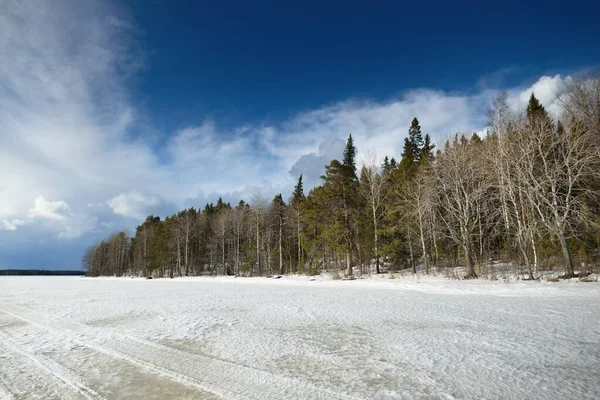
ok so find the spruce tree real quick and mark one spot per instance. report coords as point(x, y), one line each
point(535, 109)
point(393, 164)
point(221, 205)
point(415, 138)
point(426, 151)
point(209, 209)
point(298, 195)
point(412, 151)
point(298, 204)
point(349, 156)
point(157, 249)
point(341, 188)
point(278, 201)
point(408, 163)
point(386, 165)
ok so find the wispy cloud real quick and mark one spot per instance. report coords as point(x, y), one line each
point(11, 224)
point(133, 204)
point(53, 210)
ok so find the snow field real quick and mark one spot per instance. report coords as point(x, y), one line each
point(258, 338)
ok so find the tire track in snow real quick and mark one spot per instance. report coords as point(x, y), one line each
point(5, 393)
point(95, 344)
point(219, 377)
point(51, 367)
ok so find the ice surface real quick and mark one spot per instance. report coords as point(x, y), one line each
point(258, 338)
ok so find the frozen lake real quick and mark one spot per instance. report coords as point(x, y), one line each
point(107, 338)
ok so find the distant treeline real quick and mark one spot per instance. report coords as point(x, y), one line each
point(527, 194)
point(38, 272)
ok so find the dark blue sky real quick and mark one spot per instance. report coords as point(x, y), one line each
point(242, 60)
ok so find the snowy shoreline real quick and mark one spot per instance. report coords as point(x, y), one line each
point(421, 283)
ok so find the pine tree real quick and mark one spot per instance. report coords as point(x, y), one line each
point(415, 138)
point(221, 205)
point(278, 207)
point(386, 165)
point(298, 205)
point(349, 156)
point(278, 201)
point(426, 151)
point(157, 250)
point(209, 209)
point(535, 109)
point(396, 238)
point(408, 163)
point(298, 194)
point(341, 184)
point(393, 164)
point(412, 151)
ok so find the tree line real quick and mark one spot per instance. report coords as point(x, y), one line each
point(526, 194)
point(45, 272)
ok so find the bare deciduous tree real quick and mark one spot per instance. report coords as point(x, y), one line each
point(373, 190)
point(418, 205)
point(259, 207)
point(553, 169)
point(462, 183)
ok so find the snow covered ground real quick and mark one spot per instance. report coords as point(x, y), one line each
point(292, 338)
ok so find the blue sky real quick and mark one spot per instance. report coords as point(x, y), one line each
point(110, 111)
point(259, 60)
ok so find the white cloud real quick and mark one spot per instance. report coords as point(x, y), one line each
point(54, 210)
point(547, 89)
point(55, 216)
point(11, 225)
point(133, 204)
point(64, 112)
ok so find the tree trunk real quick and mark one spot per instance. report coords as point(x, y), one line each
point(376, 242)
point(566, 255)
point(469, 257)
point(348, 264)
point(178, 258)
point(535, 255)
point(480, 237)
point(435, 248)
point(423, 245)
point(257, 245)
point(523, 248)
point(425, 255)
point(187, 265)
point(237, 253)
point(412, 257)
point(280, 246)
point(223, 255)
point(299, 246)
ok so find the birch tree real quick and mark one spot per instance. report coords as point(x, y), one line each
point(461, 184)
point(418, 205)
point(553, 169)
point(259, 207)
point(372, 188)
